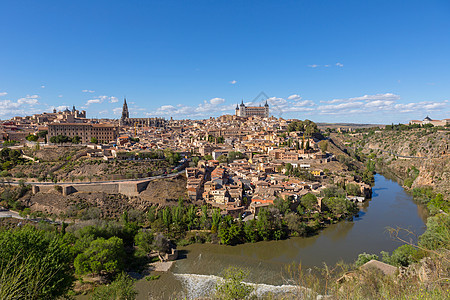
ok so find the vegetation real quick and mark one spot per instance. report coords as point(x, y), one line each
point(10, 158)
point(34, 264)
point(306, 126)
point(232, 287)
point(120, 289)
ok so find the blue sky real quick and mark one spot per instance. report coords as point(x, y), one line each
point(328, 61)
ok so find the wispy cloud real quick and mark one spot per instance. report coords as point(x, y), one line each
point(208, 108)
point(42, 86)
point(101, 99)
point(294, 97)
point(88, 91)
point(378, 103)
point(233, 81)
point(3, 94)
point(338, 64)
point(93, 101)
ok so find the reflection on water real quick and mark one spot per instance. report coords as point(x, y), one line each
point(390, 206)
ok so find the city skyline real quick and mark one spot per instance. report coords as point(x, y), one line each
point(328, 62)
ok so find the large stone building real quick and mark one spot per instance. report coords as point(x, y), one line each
point(102, 132)
point(251, 111)
point(125, 120)
point(428, 120)
point(65, 116)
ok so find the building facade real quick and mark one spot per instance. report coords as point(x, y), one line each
point(428, 120)
point(125, 119)
point(252, 111)
point(102, 132)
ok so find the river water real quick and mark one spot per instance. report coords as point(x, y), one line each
point(196, 273)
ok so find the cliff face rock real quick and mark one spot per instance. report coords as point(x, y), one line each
point(421, 155)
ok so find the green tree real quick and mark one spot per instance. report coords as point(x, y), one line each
point(364, 257)
point(76, 140)
point(403, 256)
point(222, 159)
point(323, 145)
point(437, 235)
point(216, 217)
point(34, 264)
point(144, 240)
point(309, 201)
point(340, 206)
point(229, 232)
point(94, 140)
point(295, 225)
point(232, 286)
point(102, 255)
point(353, 189)
point(32, 138)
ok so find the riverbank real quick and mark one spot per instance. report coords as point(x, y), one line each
point(390, 206)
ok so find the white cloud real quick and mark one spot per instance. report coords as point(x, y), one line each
point(208, 108)
point(23, 106)
point(29, 99)
point(92, 101)
point(294, 97)
point(233, 81)
point(61, 107)
point(3, 94)
point(386, 96)
point(326, 66)
point(60, 96)
point(378, 103)
point(218, 106)
point(101, 99)
point(88, 91)
point(217, 101)
point(42, 86)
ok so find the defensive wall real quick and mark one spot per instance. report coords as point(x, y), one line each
point(130, 188)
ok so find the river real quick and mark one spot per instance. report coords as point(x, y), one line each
point(195, 274)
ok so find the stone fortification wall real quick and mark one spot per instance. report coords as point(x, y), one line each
point(132, 188)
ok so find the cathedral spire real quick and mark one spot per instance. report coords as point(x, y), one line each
point(125, 113)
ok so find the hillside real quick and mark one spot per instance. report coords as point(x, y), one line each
point(416, 157)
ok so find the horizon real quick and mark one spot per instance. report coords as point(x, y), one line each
point(353, 62)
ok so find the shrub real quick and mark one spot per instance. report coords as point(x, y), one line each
point(232, 286)
point(364, 257)
point(121, 288)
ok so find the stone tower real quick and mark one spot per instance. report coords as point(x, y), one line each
point(266, 110)
point(125, 113)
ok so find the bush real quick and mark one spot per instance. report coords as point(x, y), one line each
point(34, 265)
point(403, 256)
point(437, 234)
point(232, 286)
point(364, 257)
point(101, 256)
